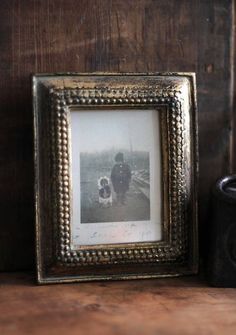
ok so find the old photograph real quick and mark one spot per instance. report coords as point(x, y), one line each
point(114, 162)
point(115, 185)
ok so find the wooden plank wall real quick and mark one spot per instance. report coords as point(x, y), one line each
point(106, 35)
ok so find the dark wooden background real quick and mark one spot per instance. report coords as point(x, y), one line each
point(107, 35)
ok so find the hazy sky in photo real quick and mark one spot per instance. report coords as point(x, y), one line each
point(122, 129)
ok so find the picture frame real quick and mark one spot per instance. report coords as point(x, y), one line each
point(84, 126)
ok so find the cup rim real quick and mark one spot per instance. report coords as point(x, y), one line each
point(219, 189)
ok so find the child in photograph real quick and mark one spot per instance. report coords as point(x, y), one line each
point(120, 177)
point(105, 196)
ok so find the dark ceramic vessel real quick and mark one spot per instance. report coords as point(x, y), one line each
point(222, 237)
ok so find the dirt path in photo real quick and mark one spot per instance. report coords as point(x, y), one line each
point(137, 207)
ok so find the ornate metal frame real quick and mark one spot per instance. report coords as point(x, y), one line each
point(174, 96)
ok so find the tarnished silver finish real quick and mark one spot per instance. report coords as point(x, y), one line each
point(173, 95)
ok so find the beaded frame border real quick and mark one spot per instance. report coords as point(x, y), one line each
point(61, 98)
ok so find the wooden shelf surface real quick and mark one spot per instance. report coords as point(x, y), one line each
point(142, 307)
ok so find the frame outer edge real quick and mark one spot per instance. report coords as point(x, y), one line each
point(36, 183)
point(195, 179)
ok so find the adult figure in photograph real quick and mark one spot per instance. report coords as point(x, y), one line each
point(120, 177)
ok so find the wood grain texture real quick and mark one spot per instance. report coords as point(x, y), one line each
point(233, 52)
point(166, 307)
point(106, 35)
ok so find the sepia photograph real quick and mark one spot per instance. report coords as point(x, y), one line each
point(114, 162)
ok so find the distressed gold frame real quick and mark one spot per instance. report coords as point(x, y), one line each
point(174, 96)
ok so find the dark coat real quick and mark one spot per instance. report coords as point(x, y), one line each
point(105, 192)
point(120, 177)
